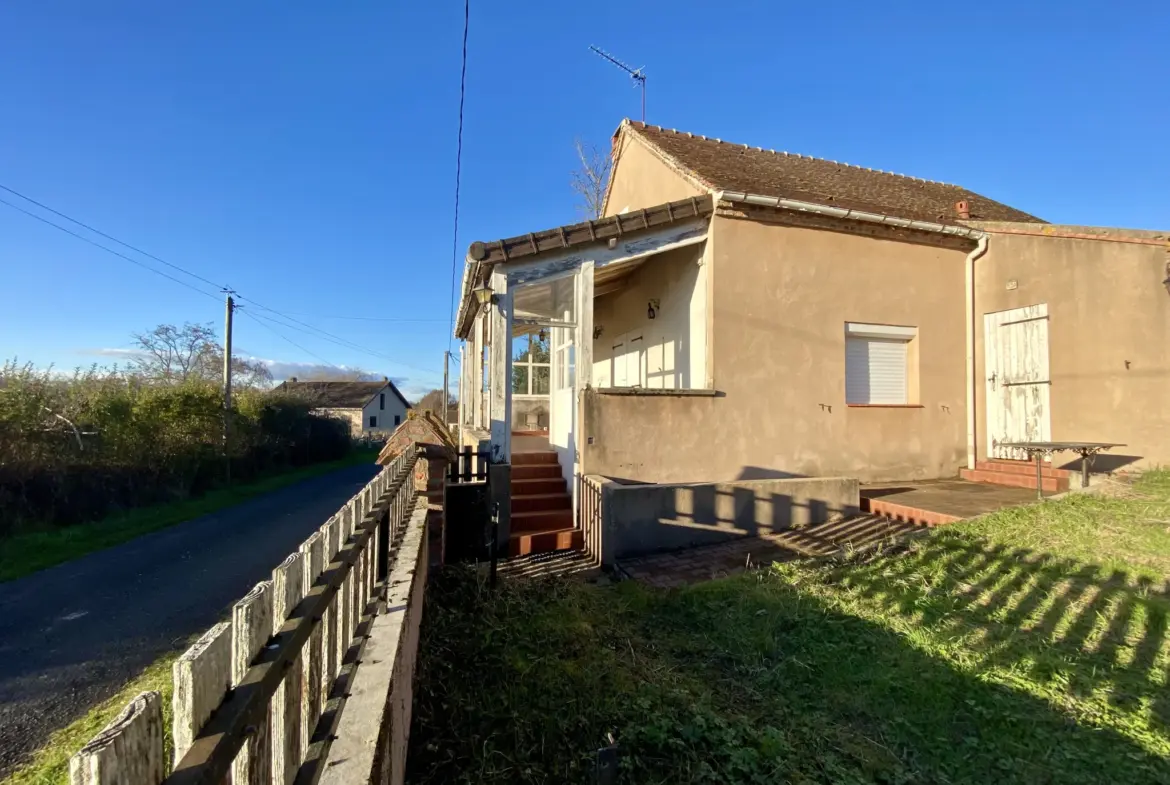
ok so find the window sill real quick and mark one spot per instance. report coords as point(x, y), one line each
point(886, 405)
point(656, 392)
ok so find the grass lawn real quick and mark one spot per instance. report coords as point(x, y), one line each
point(30, 551)
point(1029, 646)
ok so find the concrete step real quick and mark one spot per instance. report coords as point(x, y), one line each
point(545, 541)
point(541, 501)
point(1012, 479)
point(536, 471)
point(539, 486)
point(530, 458)
point(538, 520)
point(1021, 467)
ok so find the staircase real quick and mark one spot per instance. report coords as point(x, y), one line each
point(542, 509)
point(1018, 474)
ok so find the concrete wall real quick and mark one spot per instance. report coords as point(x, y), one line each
point(639, 519)
point(674, 342)
point(780, 299)
point(1108, 336)
point(530, 412)
point(640, 179)
point(373, 733)
point(351, 416)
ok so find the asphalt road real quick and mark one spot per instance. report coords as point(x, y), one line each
point(72, 635)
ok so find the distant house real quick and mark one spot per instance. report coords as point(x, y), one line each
point(370, 408)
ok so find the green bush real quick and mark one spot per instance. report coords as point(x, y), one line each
point(79, 448)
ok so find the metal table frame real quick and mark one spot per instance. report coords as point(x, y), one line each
point(1037, 450)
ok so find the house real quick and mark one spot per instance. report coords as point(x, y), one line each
point(370, 408)
point(747, 313)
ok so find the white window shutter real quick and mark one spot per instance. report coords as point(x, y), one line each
point(875, 371)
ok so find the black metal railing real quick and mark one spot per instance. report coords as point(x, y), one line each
point(469, 466)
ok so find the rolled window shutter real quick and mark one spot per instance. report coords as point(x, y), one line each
point(875, 371)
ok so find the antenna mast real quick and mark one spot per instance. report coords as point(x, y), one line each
point(637, 74)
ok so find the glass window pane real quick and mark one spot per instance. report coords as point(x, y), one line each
point(519, 379)
point(540, 352)
point(540, 378)
point(520, 347)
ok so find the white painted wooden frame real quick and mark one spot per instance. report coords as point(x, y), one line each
point(500, 374)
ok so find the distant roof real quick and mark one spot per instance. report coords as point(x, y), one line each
point(341, 395)
point(719, 165)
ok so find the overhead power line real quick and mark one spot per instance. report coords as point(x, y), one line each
point(261, 321)
point(305, 327)
point(311, 329)
point(107, 236)
point(458, 169)
point(82, 237)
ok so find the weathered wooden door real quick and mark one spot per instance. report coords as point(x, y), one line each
point(1018, 384)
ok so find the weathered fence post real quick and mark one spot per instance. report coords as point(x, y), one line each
point(202, 676)
point(288, 587)
point(312, 549)
point(332, 534)
point(129, 751)
point(251, 629)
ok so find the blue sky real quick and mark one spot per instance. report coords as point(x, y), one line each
point(303, 153)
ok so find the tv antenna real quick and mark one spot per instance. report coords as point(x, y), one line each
point(637, 74)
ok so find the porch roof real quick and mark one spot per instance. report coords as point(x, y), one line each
point(482, 256)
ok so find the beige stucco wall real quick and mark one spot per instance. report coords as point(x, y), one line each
point(640, 179)
point(1107, 307)
point(780, 299)
point(674, 342)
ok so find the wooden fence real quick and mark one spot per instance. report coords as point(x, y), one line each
point(255, 699)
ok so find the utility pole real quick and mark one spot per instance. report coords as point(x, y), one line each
point(446, 393)
point(227, 384)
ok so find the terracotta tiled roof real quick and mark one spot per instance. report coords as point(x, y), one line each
point(340, 395)
point(721, 165)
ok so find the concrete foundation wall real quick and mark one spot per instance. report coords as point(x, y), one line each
point(1108, 337)
point(639, 519)
point(372, 735)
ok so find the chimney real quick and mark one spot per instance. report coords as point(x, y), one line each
point(963, 209)
point(292, 378)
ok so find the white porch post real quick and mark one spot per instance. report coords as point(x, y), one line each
point(584, 361)
point(500, 373)
point(476, 396)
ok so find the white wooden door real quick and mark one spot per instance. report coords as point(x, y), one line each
point(1018, 382)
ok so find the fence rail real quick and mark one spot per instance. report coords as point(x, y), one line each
point(250, 694)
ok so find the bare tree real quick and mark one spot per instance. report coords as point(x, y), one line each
point(434, 401)
point(174, 354)
point(591, 179)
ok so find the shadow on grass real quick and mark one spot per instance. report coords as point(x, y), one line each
point(752, 679)
point(1073, 628)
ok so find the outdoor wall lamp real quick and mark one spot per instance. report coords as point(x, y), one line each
point(652, 309)
point(484, 295)
point(597, 332)
point(1166, 282)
